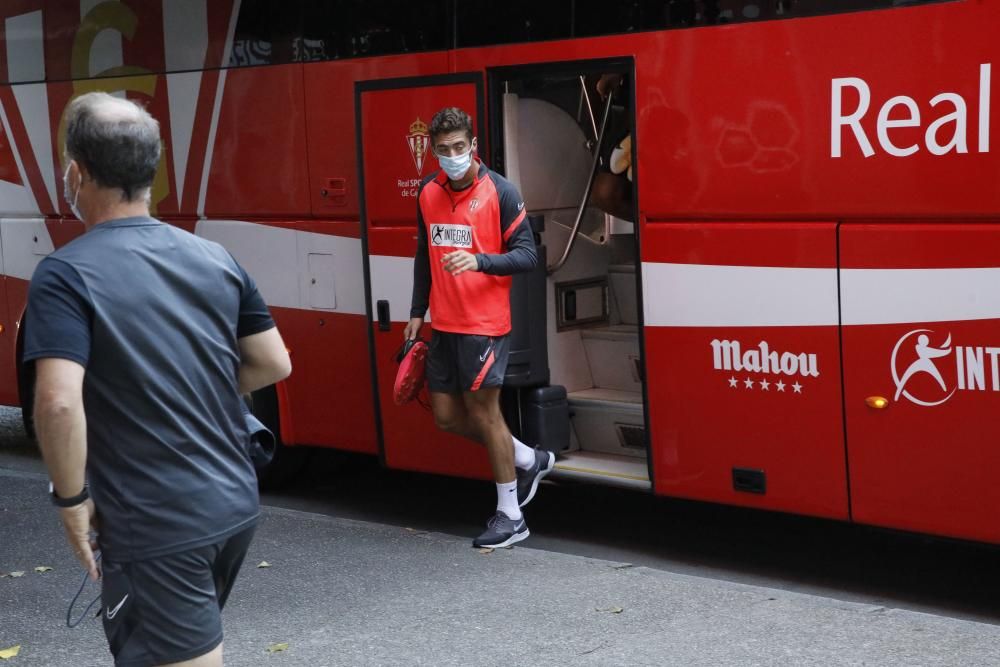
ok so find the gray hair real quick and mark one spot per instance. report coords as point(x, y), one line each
point(116, 141)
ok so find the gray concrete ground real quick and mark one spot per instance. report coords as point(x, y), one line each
point(345, 592)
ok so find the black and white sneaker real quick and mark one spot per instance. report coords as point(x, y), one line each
point(527, 480)
point(502, 531)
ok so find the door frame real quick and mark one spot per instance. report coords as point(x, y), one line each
point(626, 64)
point(372, 85)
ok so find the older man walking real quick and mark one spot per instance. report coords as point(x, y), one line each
point(143, 337)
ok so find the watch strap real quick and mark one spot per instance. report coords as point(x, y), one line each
point(69, 502)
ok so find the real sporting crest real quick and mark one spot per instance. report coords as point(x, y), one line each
point(418, 140)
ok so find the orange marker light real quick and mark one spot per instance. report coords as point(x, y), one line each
point(877, 402)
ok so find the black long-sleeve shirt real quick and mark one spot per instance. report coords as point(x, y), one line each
point(493, 196)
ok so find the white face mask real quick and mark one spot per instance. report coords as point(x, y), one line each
point(457, 166)
point(76, 196)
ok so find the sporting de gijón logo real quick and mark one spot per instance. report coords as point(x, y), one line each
point(418, 140)
point(451, 236)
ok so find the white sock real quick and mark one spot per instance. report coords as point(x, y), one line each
point(524, 456)
point(507, 500)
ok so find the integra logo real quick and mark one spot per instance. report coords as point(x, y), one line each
point(922, 361)
point(451, 236)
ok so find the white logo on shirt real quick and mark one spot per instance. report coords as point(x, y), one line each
point(451, 236)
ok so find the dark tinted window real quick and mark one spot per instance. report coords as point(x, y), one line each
point(280, 31)
point(356, 28)
point(618, 16)
point(482, 22)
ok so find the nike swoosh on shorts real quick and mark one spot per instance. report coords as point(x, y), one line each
point(111, 613)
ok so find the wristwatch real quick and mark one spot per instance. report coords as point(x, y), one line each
point(69, 502)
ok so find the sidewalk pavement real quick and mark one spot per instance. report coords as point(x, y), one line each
point(342, 592)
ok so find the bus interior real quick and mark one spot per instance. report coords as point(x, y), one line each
point(563, 136)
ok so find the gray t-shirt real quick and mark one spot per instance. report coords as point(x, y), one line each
point(154, 314)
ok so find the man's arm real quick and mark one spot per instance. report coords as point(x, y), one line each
point(521, 255)
point(421, 281)
point(264, 360)
point(61, 424)
point(56, 329)
point(62, 436)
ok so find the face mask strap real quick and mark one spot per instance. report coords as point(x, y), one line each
point(76, 195)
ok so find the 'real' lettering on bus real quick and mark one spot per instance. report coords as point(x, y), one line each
point(902, 111)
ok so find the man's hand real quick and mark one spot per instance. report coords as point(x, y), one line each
point(459, 262)
point(412, 329)
point(607, 83)
point(78, 522)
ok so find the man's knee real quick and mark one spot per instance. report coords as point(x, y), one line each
point(485, 418)
point(449, 413)
point(450, 424)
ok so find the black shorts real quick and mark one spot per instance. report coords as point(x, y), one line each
point(168, 609)
point(463, 362)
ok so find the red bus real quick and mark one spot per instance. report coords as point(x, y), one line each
point(797, 310)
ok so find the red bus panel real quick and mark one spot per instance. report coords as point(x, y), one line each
point(743, 364)
point(395, 142)
point(921, 310)
point(329, 114)
point(258, 168)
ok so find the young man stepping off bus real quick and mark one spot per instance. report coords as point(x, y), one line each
point(472, 235)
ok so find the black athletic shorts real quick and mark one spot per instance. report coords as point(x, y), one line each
point(463, 362)
point(168, 609)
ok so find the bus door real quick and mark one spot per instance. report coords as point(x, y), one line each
point(394, 156)
point(922, 375)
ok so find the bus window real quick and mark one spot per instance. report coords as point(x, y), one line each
point(482, 22)
point(266, 33)
point(273, 32)
point(621, 16)
point(357, 28)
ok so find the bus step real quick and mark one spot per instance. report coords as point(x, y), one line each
point(613, 356)
point(608, 421)
point(608, 469)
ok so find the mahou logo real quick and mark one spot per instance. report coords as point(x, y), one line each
point(729, 355)
point(928, 370)
point(761, 368)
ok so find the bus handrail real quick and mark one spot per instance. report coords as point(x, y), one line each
point(586, 194)
point(585, 97)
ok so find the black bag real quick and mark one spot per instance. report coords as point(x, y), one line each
point(262, 444)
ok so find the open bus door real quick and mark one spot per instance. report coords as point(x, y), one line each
point(394, 156)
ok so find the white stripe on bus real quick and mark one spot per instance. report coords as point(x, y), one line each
point(696, 295)
point(216, 106)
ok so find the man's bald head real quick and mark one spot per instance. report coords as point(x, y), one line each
point(116, 142)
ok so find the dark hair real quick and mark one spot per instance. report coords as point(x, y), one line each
point(448, 120)
point(115, 140)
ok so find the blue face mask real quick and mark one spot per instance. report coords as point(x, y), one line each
point(456, 167)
